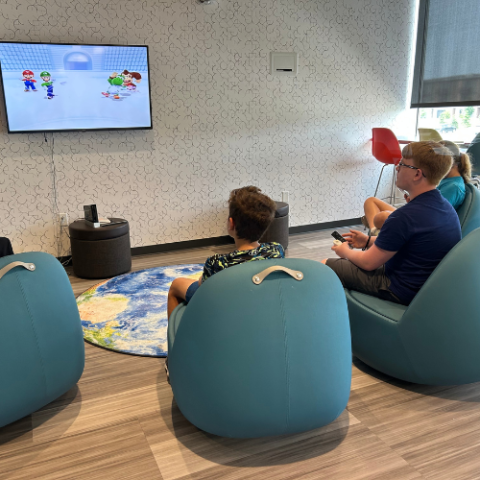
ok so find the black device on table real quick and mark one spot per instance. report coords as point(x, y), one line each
point(337, 236)
point(90, 212)
point(91, 216)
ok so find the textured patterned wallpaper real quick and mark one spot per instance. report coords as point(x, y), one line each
point(220, 119)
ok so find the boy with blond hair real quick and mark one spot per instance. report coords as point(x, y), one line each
point(414, 239)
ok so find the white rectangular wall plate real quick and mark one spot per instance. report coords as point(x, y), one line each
point(63, 217)
point(283, 63)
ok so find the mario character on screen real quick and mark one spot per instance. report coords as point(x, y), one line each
point(29, 81)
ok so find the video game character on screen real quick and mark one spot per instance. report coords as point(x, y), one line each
point(128, 79)
point(29, 81)
point(116, 82)
point(48, 83)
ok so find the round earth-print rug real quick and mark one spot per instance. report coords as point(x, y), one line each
point(128, 313)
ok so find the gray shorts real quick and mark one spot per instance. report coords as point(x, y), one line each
point(374, 283)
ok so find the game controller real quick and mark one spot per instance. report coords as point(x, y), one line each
point(337, 242)
point(338, 237)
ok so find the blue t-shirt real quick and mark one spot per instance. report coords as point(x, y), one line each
point(422, 232)
point(453, 189)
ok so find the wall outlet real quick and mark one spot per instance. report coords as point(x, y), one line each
point(285, 196)
point(63, 218)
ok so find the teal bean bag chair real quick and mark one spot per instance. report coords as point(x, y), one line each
point(436, 339)
point(250, 360)
point(469, 211)
point(41, 342)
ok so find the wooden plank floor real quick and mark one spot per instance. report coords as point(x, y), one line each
point(121, 422)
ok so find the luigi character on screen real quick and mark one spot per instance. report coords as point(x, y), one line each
point(47, 82)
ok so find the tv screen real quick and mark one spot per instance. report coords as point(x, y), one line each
point(53, 87)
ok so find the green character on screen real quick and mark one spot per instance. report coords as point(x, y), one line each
point(116, 82)
point(47, 82)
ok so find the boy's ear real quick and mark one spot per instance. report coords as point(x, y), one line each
point(231, 224)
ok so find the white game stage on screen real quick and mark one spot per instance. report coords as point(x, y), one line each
point(51, 87)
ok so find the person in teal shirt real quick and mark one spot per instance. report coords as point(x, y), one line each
point(452, 188)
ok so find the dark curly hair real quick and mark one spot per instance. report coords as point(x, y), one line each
point(251, 211)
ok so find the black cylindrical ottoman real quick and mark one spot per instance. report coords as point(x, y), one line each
point(100, 252)
point(278, 229)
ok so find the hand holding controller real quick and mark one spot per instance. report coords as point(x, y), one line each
point(338, 237)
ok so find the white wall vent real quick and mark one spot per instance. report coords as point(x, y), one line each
point(283, 63)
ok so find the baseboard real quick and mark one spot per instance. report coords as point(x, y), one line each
point(225, 239)
point(323, 226)
point(169, 247)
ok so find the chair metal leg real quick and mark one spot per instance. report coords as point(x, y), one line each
point(393, 196)
point(379, 178)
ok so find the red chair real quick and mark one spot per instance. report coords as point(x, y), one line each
point(386, 149)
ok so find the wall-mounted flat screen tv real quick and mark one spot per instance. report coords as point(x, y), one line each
point(54, 87)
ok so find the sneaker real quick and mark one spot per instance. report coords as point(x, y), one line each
point(166, 370)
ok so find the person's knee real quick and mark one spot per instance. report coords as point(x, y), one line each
point(175, 286)
point(179, 287)
point(379, 219)
point(369, 201)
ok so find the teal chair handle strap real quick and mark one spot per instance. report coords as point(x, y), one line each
point(29, 266)
point(260, 277)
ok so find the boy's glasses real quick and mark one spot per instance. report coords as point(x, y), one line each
point(401, 164)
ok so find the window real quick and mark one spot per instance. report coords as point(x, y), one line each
point(447, 60)
point(459, 125)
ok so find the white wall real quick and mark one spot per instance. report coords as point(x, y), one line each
point(220, 120)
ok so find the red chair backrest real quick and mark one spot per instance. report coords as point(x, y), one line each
point(385, 146)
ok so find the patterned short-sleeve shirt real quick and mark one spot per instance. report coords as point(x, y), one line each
point(218, 262)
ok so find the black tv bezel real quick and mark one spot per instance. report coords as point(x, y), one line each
point(79, 129)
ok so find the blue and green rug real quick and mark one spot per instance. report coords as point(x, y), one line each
point(128, 313)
